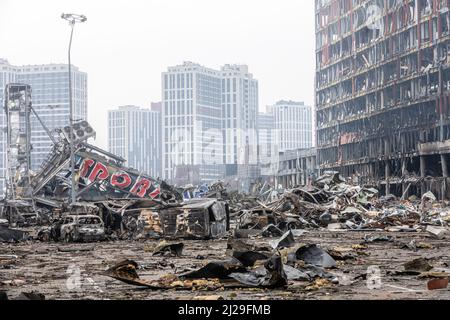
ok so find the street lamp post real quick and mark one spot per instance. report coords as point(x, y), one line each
point(72, 18)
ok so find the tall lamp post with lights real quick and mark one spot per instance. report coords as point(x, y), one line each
point(73, 19)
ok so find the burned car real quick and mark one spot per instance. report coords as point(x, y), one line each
point(82, 228)
point(196, 219)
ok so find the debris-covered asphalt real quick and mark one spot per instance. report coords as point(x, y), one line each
point(371, 268)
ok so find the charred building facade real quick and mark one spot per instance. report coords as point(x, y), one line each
point(383, 92)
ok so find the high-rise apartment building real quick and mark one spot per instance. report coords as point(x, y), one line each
point(209, 120)
point(382, 92)
point(135, 135)
point(293, 122)
point(239, 116)
point(192, 124)
point(50, 94)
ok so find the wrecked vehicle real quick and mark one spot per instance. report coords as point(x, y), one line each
point(30, 219)
point(11, 235)
point(82, 228)
point(196, 219)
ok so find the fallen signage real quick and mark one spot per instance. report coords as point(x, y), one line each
point(121, 181)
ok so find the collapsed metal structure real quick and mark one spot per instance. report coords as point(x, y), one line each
point(49, 186)
point(18, 110)
point(382, 92)
point(104, 185)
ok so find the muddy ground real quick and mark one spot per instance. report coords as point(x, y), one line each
point(46, 268)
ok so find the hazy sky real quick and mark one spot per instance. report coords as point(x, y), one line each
point(125, 45)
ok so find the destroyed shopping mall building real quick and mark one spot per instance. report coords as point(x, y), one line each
point(382, 92)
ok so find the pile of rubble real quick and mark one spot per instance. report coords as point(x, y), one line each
point(212, 212)
point(333, 204)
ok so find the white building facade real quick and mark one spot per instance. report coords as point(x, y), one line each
point(135, 135)
point(268, 146)
point(209, 122)
point(293, 123)
point(192, 124)
point(239, 116)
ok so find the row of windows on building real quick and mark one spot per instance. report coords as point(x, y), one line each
point(179, 108)
point(208, 83)
point(178, 81)
point(178, 94)
point(186, 95)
